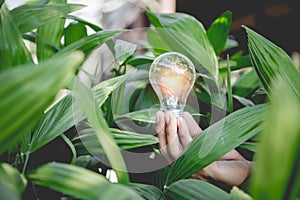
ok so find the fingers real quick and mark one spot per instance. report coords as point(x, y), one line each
point(192, 125)
point(232, 155)
point(161, 134)
point(183, 132)
point(229, 172)
point(174, 145)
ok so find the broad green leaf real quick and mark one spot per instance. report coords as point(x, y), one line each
point(79, 182)
point(182, 43)
point(234, 129)
point(195, 189)
point(219, 30)
point(246, 84)
point(189, 33)
point(123, 50)
point(74, 32)
point(13, 51)
point(48, 40)
point(84, 98)
point(42, 83)
point(149, 192)
point(90, 43)
point(12, 183)
point(126, 140)
point(238, 194)
point(29, 17)
point(277, 161)
point(271, 61)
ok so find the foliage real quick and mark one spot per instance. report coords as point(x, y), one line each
point(92, 120)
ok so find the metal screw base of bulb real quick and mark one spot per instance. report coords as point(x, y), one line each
point(177, 112)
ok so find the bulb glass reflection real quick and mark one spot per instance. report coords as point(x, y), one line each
point(172, 76)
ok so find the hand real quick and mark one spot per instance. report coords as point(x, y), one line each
point(174, 134)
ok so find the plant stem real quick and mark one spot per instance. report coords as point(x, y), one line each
point(229, 89)
point(26, 162)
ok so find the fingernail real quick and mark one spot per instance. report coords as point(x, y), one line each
point(167, 118)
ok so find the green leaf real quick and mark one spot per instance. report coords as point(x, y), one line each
point(29, 17)
point(231, 131)
point(140, 61)
point(91, 42)
point(42, 83)
point(79, 182)
point(123, 50)
point(195, 189)
point(237, 194)
point(13, 51)
point(246, 84)
point(82, 21)
point(145, 115)
point(49, 35)
point(12, 183)
point(56, 121)
point(126, 140)
point(219, 30)
point(74, 32)
point(185, 34)
point(271, 61)
point(230, 43)
point(149, 192)
point(237, 62)
point(251, 146)
point(60, 117)
point(277, 157)
point(84, 98)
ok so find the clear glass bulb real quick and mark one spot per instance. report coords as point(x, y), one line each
point(172, 76)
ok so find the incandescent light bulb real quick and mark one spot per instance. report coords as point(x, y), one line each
point(172, 76)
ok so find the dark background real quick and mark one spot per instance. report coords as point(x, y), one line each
point(276, 20)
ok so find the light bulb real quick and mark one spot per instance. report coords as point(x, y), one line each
point(172, 76)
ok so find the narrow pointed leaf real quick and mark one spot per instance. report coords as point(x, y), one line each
point(79, 182)
point(91, 42)
point(84, 98)
point(12, 183)
point(29, 17)
point(195, 189)
point(271, 61)
point(49, 35)
point(219, 30)
point(234, 130)
point(13, 51)
point(123, 50)
point(279, 148)
point(126, 140)
point(42, 83)
point(96, 28)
